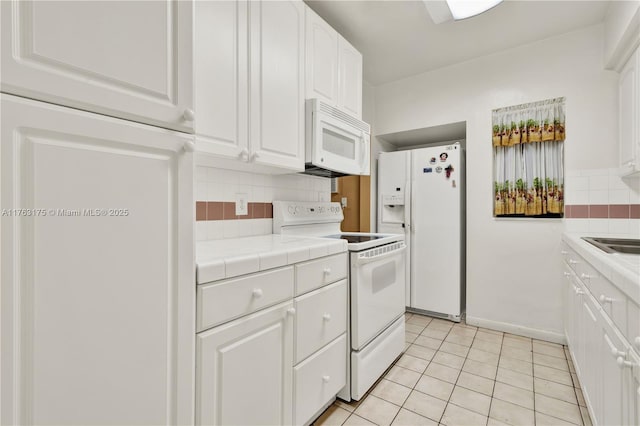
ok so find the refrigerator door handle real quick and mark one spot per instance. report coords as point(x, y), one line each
point(407, 204)
point(408, 211)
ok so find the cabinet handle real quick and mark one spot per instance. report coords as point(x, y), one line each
point(585, 276)
point(326, 379)
point(622, 363)
point(326, 317)
point(616, 353)
point(254, 156)
point(257, 293)
point(189, 115)
point(189, 146)
point(564, 252)
point(244, 154)
point(291, 311)
point(578, 290)
point(605, 299)
point(613, 349)
point(566, 274)
point(326, 271)
point(573, 262)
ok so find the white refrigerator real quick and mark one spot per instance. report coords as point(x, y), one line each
point(421, 194)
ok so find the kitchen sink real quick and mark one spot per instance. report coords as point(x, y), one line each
point(615, 245)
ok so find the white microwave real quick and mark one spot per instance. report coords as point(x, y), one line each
point(337, 144)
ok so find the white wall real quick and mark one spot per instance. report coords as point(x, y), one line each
point(513, 265)
point(377, 146)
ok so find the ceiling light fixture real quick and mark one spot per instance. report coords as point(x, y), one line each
point(462, 9)
point(447, 10)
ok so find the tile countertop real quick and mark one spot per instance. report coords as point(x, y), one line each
point(220, 259)
point(623, 270)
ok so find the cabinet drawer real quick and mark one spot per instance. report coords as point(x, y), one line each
point(222, 301)
point(613, 302)
point(569, 256)
point(589, 276)
point(321, 316)
point(318, 379)
point(316, 273)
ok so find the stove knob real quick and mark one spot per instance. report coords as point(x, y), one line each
point(320, 209)
point(291, 209)
point(298, 209)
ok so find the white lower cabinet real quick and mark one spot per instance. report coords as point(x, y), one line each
point(277, 364)
point(97, 296)
point(244, 370)
point(606, 364)
point(318, 379)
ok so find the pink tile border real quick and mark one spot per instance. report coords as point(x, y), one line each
point(224, 210)
point(602, 211)
point(599, 211)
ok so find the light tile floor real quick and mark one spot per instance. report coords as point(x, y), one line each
point(456, 375)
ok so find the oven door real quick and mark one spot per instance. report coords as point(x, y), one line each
point(377, 291)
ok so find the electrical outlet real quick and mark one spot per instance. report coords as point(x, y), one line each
point(242, 205)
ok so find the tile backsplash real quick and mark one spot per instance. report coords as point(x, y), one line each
point(600, 201)
point(216, 191)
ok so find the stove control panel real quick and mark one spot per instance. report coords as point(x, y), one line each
point(287, 213)
point(314, 210)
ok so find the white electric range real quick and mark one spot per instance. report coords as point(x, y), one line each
point(376, 288)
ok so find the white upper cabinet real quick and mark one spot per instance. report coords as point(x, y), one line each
point(221, 77)
point(349, 78)
point(629, 109)
point(130, 59)
point(334, 67)
point(249, 81)
point(97, 283)
point(321, 59)
point(277, 83)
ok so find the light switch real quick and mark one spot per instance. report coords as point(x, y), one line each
point(343, 202)
point(242, 208)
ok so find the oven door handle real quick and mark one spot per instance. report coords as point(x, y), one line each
point(361, 259)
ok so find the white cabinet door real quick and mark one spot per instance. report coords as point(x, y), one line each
point(568, 302)
point(129, 59)
point(349, 78)
point(221, 73)
point(590, 363)
point(611, 376)
point(244, 370)
point(321, 59)
point(97, 283)
point(631, 389)
point(629, 108)
point(277, 83)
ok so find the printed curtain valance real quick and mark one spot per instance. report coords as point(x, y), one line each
point(528, 159)
point(536, 122)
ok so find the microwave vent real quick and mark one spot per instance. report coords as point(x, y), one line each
point(334, 112)
point(310, 169)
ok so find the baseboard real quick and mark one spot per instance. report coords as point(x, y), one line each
point(535, 333)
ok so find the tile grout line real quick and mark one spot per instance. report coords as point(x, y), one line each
point(459, 373)
point(495, 379)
